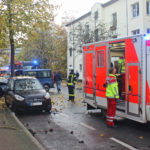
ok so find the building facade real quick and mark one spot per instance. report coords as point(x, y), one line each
point(114, 19)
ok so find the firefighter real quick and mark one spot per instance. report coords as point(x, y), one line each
point(121, 63)
point(71, 85)
point(112, 96)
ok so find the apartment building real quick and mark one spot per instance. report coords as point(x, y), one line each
point(114, 19)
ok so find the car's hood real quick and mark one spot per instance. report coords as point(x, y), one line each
point(31, 93)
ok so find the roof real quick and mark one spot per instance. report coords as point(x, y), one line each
point(109, 3)
point(89, 13)
point(82, 17)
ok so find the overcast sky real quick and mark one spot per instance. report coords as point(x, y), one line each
point(74, 8)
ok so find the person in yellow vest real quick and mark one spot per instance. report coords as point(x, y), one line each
point(112, 95)
point(121, 63)
point(71, 85)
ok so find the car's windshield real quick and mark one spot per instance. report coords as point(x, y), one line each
point(27, 84)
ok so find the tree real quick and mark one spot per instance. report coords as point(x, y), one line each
point(21, 16)
point(49, 47)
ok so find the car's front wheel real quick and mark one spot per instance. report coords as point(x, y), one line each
point(48, 109)
point(14, 108)
point(7, 104)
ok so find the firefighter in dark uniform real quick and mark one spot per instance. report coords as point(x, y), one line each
point(112, 95)
point(71, 85)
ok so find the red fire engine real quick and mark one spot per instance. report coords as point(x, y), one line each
point(97, 59)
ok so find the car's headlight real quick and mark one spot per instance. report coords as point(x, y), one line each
point(47, 96)
point(19, 98)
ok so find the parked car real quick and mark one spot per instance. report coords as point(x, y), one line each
point(43, 75)
point(26, 93)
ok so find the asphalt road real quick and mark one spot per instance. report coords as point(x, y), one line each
point(70, 127)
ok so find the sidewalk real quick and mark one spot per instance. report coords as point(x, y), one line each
point(13, 135)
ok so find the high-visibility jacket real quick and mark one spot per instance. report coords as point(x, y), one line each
point(121, 63)
point(112, 87)
point(71, 79)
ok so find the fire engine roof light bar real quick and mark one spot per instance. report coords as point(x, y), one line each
point(146, 36)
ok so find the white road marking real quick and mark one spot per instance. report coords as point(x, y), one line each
point(87, 126)
point(123, 143)
point(81, 123)
point(65, 115)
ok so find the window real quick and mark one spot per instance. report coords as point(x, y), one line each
point(87, 29)
point(70, 52)
point(148, 30)
point(148, 7)
point(27, 84)
point(100, 58)
point(96, 15)
point(43, 74)
point(80, 66)
point(134, 32)
point(31, 73)
point(96, 35)
point(114, 15)
point(11, 84)
point(135, 10)
point(70, 36)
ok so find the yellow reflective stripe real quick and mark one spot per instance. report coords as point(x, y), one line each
point(70, 83)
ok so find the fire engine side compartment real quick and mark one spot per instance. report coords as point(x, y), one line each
point(88, 68)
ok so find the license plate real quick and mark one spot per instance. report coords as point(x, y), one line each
point(37, 104)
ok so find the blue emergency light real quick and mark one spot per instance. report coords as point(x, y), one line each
point(146, 36)
point(35, 62)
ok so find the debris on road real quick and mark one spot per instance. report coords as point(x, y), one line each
point(101, 134)
point(71, 132)
point(141, 137)
point(50, 130)
point(81, 141)
point(32, 132)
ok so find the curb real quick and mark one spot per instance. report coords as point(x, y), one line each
point(34, 140)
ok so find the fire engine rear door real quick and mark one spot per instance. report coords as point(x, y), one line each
point(133, 89)
point(101, 74)
point(88, 72)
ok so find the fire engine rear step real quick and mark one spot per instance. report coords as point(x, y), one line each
point(121, 105)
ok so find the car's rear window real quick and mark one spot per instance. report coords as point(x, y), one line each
point(27, 84)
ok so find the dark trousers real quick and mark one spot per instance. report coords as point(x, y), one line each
point(71, 92)
point(111, 111)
